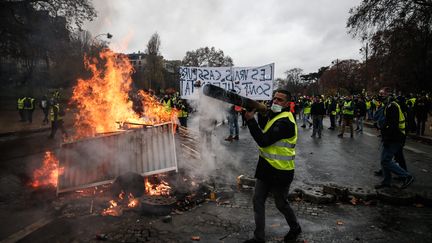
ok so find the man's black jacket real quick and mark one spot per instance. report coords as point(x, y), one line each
point(282, 128)
point(390, 131)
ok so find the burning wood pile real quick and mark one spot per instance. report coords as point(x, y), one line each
point(159, 195)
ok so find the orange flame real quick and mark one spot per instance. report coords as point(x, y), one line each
point(121, 195)
point(103, 100)
point(154, 111)
point(48, 174)
point(113, 209)
point(161, 189)
point(133, 202)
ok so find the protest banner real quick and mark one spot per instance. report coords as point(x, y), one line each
point(253, 82)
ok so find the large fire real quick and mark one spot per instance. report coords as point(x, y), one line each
point(48, 174)
point(103, 100)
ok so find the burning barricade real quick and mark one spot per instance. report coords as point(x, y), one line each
point(111, 139)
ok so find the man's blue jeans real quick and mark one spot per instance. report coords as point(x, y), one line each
point(388, 164)
point(233, 124)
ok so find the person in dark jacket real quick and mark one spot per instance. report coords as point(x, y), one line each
point(44, 105)
point(393, 138)
point(421, 108)
point(360, 112)
point(332, 113)
point(275, 169)
point(318, 112)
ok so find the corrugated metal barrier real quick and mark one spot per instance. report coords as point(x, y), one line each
point(99, 160)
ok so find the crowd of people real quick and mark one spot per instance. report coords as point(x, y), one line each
point(353, 110)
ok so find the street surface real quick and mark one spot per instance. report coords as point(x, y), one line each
point(35, 216)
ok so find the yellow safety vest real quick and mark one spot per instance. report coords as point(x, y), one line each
point(281, 154)
point(59, 117)
point(182, 113)
point(307, 109)
point(345, 108)
point(401, 118)
point(368, 105)
point(21, 103)
point(336, 110)
point(167, 105)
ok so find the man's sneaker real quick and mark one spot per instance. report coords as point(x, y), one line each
point(253, 240)
point(380, 186)
point(236, 137)
point(229, 139)
point(292, 234)
point(408, 181)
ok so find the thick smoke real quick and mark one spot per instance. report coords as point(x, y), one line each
point(216, 154)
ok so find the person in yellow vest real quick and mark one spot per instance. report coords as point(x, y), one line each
point(183, 108)
point(410, 102)
point(332, 111)
point(307, 104)
point(20, 108)
point(276, 137)
point(167, 102)
point(348, 116)
point(369, 111)
point(393, 135)
point(29, 107)
point(56, 118)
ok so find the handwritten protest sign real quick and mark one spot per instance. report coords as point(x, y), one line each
point(252, 82)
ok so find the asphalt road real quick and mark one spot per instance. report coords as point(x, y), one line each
point(349, 162)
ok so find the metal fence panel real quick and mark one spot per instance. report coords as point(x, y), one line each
point(99, 160)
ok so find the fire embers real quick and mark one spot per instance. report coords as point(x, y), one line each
point(127, 201)
point(47, 175)
point(160, 189)
point(116, 208)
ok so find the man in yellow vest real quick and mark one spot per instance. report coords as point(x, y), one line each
point(56, 117)
point(29, 107)
point(275, 169)
point(348, 116)
point(393, 137)
point(307, 104)
point(21, 108)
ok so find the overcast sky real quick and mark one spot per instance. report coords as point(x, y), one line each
point(291, 33)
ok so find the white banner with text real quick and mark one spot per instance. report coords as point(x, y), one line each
point(253, 82)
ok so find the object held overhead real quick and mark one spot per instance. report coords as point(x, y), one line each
point(232, 98)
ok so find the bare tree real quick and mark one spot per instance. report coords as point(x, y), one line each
point(207, 57)
point(153, 71)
